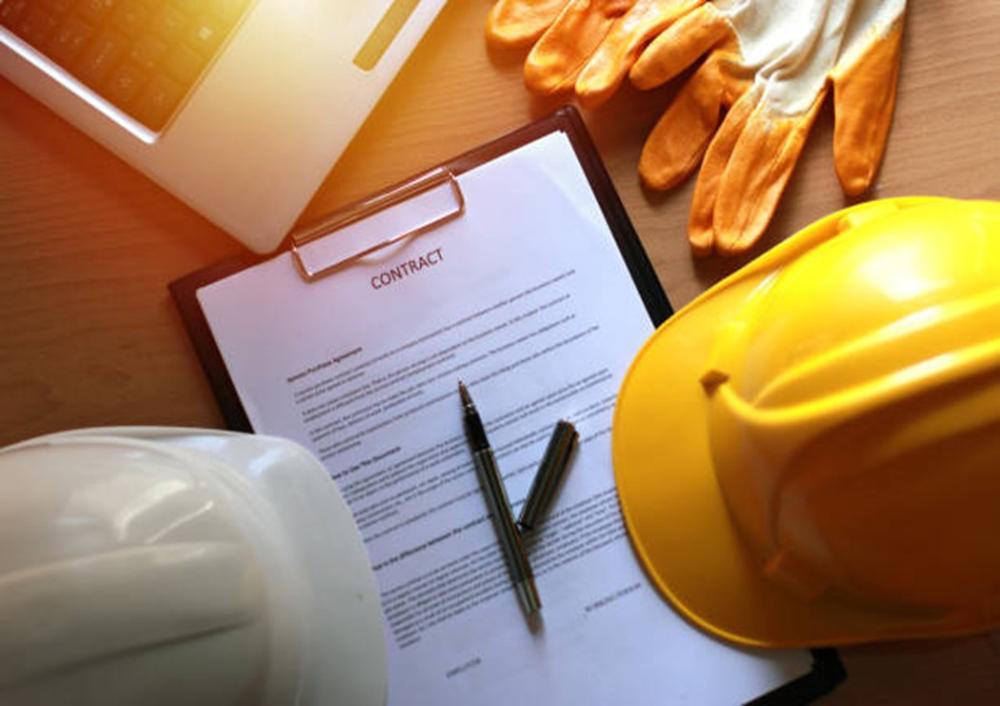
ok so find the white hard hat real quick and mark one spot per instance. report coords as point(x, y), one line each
point(172, 566)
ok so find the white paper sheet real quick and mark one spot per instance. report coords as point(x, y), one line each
point(526, 299)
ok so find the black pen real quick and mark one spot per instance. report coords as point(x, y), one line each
point(496, 498)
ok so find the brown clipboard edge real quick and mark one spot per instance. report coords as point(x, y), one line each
point(827, 669)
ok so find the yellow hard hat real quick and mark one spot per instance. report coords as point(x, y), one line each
point(809, 452)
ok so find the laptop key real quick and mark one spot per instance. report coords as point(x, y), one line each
point(68, 40)
point(129, 16)
point(148, 52)
point(36, 26)
point(227, 10)
point(170, 23)
point(204, 35)
point(58, 7)
point(124, 84)
point(93, 11)
point(183, 64)
point(188, 6)
point(11, 11)
point(158, 101)
point(100, 57)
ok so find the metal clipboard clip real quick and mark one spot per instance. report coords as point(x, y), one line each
point(367, 226)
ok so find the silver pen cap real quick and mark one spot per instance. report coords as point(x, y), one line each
point(550, 472)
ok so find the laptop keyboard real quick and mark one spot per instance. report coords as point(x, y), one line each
point(143, 56)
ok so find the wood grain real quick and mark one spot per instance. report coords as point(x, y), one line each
point(89, 336)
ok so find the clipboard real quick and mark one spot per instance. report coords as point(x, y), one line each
point(316, 254)
point(302, 242)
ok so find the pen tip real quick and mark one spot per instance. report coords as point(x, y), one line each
point(463, 392)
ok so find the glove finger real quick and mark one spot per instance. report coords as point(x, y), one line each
point(677, 142)
point(518, 23)
point(606, 69)
point(701, 233)
point(560, 53)
point(864, 98)
point(680, 46)
point(758, 171)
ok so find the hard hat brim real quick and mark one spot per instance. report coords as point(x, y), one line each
point(674, 509)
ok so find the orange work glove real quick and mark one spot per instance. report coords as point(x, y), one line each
point(588, 45)
point(518, 23)
point(771, 62)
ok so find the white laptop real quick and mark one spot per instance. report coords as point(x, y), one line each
point(238, 107)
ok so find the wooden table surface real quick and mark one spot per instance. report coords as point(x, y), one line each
point(89, 336)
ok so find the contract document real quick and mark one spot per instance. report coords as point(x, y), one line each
point(526, 298)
